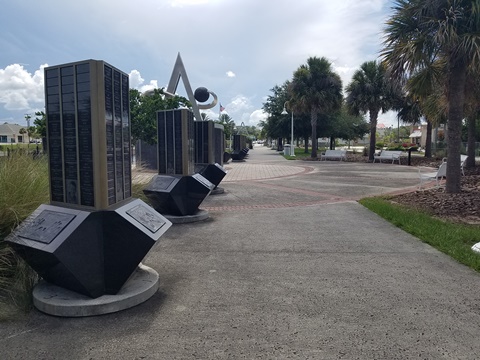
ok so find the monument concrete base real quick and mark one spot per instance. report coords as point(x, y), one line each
point(217, 190)
point(200, 215)
point(58, 301)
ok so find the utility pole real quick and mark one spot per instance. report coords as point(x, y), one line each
point(28, 117)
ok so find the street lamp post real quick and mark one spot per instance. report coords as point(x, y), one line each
point(398, 130)
point(292, 147)
point(234, 129)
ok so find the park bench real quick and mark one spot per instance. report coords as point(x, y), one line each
point(335, 154)
point(463, 160)
point(388, 155)
point(437, 175)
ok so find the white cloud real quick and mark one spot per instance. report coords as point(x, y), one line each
point(256, 117)
point(135, 79)
point(244, 111)
point(388, 119)
point(19, 89)
point(346, 32)
point(137, 82)
point(153, 84)
point(239, 104)
point(212, 115)
point(183, 3)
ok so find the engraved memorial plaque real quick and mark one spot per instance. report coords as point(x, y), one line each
point(202, 180)
point(146, 217)
point(46, 226)
point(162, 183)
point(221, 167)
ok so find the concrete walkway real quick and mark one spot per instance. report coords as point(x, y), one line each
point(289, 266)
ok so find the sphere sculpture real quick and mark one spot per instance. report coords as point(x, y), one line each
point(201, 94)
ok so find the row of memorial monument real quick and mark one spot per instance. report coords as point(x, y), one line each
point(93, 235)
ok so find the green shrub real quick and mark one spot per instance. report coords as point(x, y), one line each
point(396, 148)
point(440, 153)
point(23, 187)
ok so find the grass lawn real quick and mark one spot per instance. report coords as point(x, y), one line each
point(450, 238)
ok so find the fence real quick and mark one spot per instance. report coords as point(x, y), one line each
point(440, 148)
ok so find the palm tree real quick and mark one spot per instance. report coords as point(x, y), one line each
point(472, 112)
point(369, 91)
point(228, 124)
point(315, 89)
point(420, 32)
point(409, 110)
point(23, 131)
point(40, 123)
point(205, 116)
point(424, 99)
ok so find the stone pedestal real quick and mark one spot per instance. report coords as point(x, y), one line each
point(213, 173)
point(177, 195)
point(89, 252)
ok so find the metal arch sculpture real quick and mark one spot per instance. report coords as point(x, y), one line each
point(180, 72)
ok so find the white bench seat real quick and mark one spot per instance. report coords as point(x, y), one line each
point(334, 155)
point(463, 160)
point(391, 155)
point(437, 175)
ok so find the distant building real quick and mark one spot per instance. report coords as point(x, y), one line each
point(10, 134)
point(418, 134)
point(381, 129)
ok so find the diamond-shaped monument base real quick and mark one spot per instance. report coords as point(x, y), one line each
point(226, 157)
point(213, 173)
point(89, 252)
point(238, 155)
point(177, 195)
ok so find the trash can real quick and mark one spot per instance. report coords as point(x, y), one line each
point(286, 149)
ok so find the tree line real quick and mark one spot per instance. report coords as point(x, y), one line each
point(426, 70)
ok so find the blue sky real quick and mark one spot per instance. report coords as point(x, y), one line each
point(239, 49)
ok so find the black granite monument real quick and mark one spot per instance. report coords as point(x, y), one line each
point(204, 144)
point(219, 143)
point(177, 190)
point(93, 235)
point(240, 149)
point(208, 145)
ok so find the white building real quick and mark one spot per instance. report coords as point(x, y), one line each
point(10, 134)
